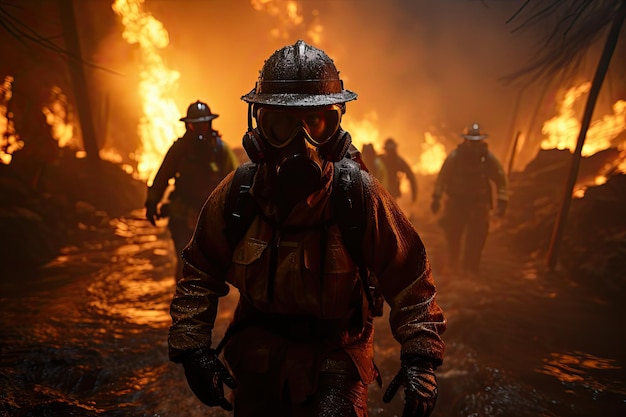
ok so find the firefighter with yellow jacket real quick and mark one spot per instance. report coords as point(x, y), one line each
point(301, 339)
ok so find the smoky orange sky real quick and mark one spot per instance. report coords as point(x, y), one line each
point(416, 65)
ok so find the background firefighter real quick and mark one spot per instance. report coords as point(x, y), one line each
point(301, 339)
point(197, 162)
point(375, 164)
point(465, 178)
point(397, 169)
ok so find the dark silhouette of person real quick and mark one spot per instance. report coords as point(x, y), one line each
point(197, 162)
point(466, 178)
point(397, 169)
point(300, 342)
point(375, 164)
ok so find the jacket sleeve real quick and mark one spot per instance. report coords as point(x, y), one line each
point(206, 262)
point(410, 175)
point(166, 171)
point(397, 256)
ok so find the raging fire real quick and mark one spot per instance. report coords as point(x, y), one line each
point(9, 140)
point(159, 123)
point(561, 131)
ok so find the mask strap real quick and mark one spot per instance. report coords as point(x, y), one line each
point(249, 116)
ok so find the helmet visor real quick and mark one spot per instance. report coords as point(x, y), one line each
point(280, 125)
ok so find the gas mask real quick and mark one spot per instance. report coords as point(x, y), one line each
point(200, 129)
point(297, 141)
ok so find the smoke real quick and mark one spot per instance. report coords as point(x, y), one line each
point(418, 66)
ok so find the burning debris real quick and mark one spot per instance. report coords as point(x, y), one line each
point(594, 244)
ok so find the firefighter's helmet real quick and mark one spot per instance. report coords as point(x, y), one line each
point(299, 75)
point(390, 144)
point(198, 112)
point(473, 132)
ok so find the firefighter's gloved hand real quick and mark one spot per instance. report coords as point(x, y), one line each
point(151, 212)
point(206, 375)
point(420, 387)
point(434, 206)
point(501, 207)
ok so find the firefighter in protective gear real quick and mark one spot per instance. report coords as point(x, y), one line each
point(465, 179)
point(197, 162)
point(301, 339)
point(397, 169)
point(375, 164)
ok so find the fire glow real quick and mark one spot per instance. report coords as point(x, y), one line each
point(57, 116)
point(9, 140)
point(159, 123)
point(561, 131)
point(432, 156)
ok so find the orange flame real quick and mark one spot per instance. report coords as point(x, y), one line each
point(9, 140)
point(363, 131)
point(562, 130)
point(57, 116)
point(432, 156)
point(159, 124)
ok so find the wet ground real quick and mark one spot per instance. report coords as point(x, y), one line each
point(88, 337)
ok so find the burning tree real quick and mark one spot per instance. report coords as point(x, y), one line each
point(580, 23)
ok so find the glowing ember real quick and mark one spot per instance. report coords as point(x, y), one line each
point(159, 123)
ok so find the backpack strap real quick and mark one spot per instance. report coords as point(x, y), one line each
point(240, 209)
point(348, 204)
point(348, 200)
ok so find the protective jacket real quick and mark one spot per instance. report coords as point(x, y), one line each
point(466, 174)
point(301, 296)
point(198, 166)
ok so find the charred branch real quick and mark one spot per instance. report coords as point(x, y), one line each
point(578, 24)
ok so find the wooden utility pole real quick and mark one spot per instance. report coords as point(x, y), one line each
point(603, 65)
point(513, 154)
point(78, 79)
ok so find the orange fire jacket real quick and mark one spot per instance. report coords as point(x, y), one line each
point(304, 272)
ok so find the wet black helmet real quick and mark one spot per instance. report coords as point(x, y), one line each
point(198, 112)
point(299, 75)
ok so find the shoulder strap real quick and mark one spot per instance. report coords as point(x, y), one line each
point(240, 208)
point(348, 203)
point(348, 200)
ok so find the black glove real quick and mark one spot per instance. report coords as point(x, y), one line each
point(420, 387)
point(501, 207)
point(206, 375)
point(151, 212)
point(434, 206)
